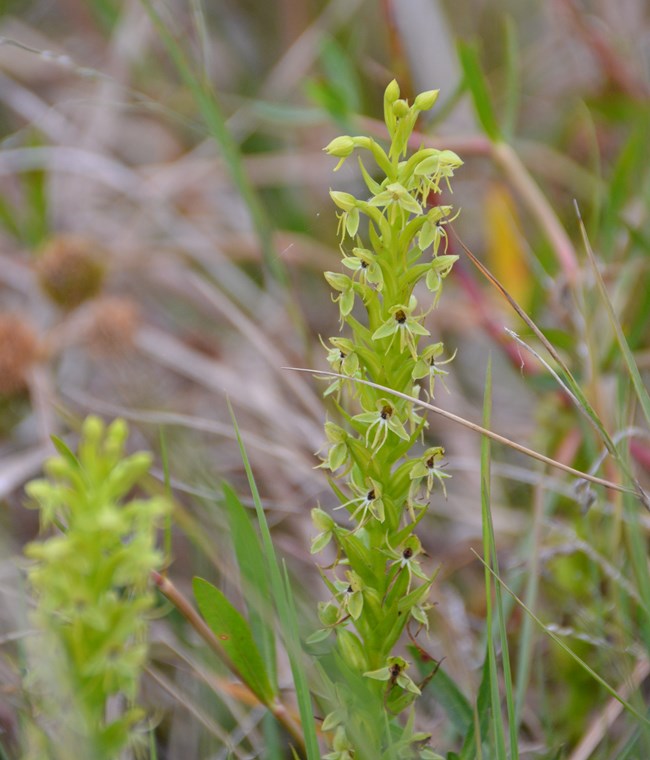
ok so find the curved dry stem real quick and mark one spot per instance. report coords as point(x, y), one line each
point(478, 429)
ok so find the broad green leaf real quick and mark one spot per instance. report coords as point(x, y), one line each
point(234, 635)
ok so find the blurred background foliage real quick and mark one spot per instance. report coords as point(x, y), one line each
point(164, 225)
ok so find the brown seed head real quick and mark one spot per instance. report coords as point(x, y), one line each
point(70, 271)
point(115, 320)
point(18, 352)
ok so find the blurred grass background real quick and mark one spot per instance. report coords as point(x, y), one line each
point(164, 225)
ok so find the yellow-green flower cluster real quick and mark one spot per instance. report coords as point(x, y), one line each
point(90, 585)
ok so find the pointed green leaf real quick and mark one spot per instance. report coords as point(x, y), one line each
point(67, 453)
point(234, 635)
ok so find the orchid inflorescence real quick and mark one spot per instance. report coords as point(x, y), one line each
point(390, 243)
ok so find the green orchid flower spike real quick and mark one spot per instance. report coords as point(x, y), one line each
point(391, 240)
point(90, 583)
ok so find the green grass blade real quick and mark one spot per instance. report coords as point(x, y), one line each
point(633, 370)
point(512, 83)
point(284, 605)
point(234, 634)
point(610, 689)
point(153, 750)
point(294, 647)
point(477, 86)
point(473, 745)
point(254, 578)
point(216, 124)
point(490, 544)
point(489, 552)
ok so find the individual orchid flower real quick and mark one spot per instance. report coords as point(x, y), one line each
point(343, 359)
point(396, 194)
point(364, 263)
point(433, 231)
point(349, 596)
point(349, 218)
point(405, 557)
point(338, 453)
point(403, 324)
point(414, 740)
point(323, 523)
point(427, 366)
point(342, 748)
point(395, 673)
point(426, 467)
point(381, 421)
point(341, 147)
point(368, 501)
point(419, 613)
point(345, 288)
point(440, 268)
point(435, 167)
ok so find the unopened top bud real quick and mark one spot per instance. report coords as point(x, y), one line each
point(322, 520)
point(425, 100)
point(341, 147)
point(401, 108)
point(344, 201)
point(338, 281)
point(392, 92)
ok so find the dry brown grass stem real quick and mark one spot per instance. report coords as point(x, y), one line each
point(477, 429)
